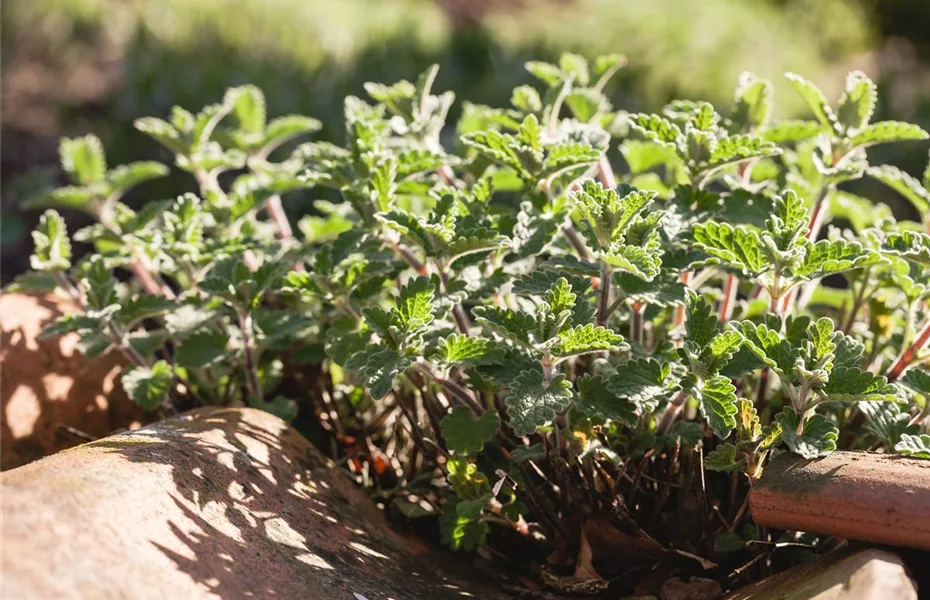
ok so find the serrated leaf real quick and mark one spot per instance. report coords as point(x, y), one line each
point(460, 532)
point(466, 434)
point(378, 367)
point(909, 245)
point(143, 306)
point(724, 458)
point(817, 437)
point(814, 98)
point(904, 184)
point(753, 103)
point(643, 381)
point(748, 427)
point(717, 401)
point(784, 132)
point(768, 346)
point(532, 403)
point(83, 159)
point(739, 247)
point(700, 321)
point(52, 246)
point(655, 128)
point(607, 213)
point(596, 399)
point(641, 262)
point(917, 380)
point(587, 338)
point(202, 349)
point(720, 350)
point(884, 132)
point(125, 177)
point(148, 387)
point(414, 305)
point(513, 325)
point(459, 349)
point(887, 421)
point(857, 104)
point(915, 446)
point(852, 384)
point(187, 319)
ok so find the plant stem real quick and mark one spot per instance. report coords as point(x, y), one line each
point(458, 313)
point(905, 358)
point(672, 412)
point(636, 322)
point(276, 211)
point(729, 298)
point(574, 239)
point(459, 392)
point(245, 325)
point(606, 173)
point(819, 213)
point(603, 303)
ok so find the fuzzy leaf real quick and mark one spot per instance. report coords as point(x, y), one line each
point(851, 384)
point(909, 245)
point(513, 325)
point(83, 159)
point(532, 403)
point(884, 132)
point(202, 349)
point(724, 458)
point(739, 247)
point(753, 103)
point(857, 103)
point(814, 98)
point(816, 439)
point(917, 380)
point(378, 367)
point(655, 128)
point(829, 257)
point(459, 349)
point(643, 381)
point(717, 401)
point(767, 345)
point(52, 246)
point(148, 387)
point(791, 131)
point(466, 434)
point(915, 446)
point(586, 338)
point(596, 399)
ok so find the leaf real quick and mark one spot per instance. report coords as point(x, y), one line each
point(148, 387)
point(767, 345)
point(460, 532)
point(202, 349)
point(655, 128)
point(737, 148)
point(753, 103)
point(33, 282)
point(917, 380)
point(459, 349)
point(717, 401)
point(814, 98)
point(724, 458)
point(740, 247)
point(904, 184)
point(784, 132)
point(533, 403)
point(52, 246)
point(637, 261)
point(700, 322)
point(282, 407)
point(188, 319)
point(915, 446)
point(125, 177)
point(909, 245)
point(643, 381)
point(414, 306)
point(539, 281)
point(857, 104)
point(607, 213)
point(378, 367)
point(887, 421)
point(145, 342)
point(248, 106)
point(583, 339)
point(143, 306)
point(816, 439)
point(884, 132)
point(720, 350)
point(466, 434)
point(513, 325)
point(525, 453)
point(597, 400)
point(748, 426)
point(83, 159)
point(851, 384)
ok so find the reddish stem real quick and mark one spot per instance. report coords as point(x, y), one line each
point(904, 360)
point(729, 298)
point(276, 211)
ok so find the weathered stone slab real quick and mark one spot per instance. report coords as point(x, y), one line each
point(47, 385)
point(218, 503)
point(865, 496)
point(849, 574)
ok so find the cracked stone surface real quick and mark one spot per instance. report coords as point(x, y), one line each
point(217, 503)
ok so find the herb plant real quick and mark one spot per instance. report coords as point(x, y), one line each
point(554, 338)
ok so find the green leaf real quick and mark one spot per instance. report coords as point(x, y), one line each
point(904, 184)
point(607, 214)
point(282, 407)
point(817, 437)
point(52, 246)
point(583, 339)
point(560, 297)
point(767, 345)
point(597, 400)
point(83, 159)
point(125, 177)
point(753, 103)
point(884, 132)
point(643, 381)
point(724, 458)
point(700, 321)
point(202, 349)
point(852, 384)
point(461, 532)
point(525, 453)
point(146, 342)
point(655, 128)
point(739, 247)
point(466, 434)
point(378, 367)
point(857, 104)
point(784, 132)
point(516, 326)
point(720, 350)
point(917, 380)
point(248, 106)
point(148, 387)
point(814, 98)
point(717, 401)
point(144, 306)
point(909, 245)
point(33, 282)
point(640, 262)
point(188, 319)
point(78, 198)
point(915, 446)
point(532, 403)
point(887, 421)
point(414, 306)
point(457, 349)
point(748, 426)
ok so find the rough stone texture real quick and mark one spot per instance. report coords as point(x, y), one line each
point(47, 383)
point(846, 575)
point(856, 495)
point(218, 503)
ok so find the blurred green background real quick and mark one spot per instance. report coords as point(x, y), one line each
point(76, 66)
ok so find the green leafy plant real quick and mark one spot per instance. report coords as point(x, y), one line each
point(527, 332)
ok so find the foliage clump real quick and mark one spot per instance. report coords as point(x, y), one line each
point(524, 339)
